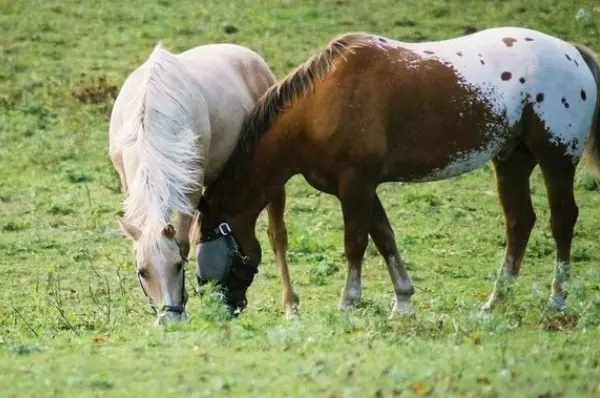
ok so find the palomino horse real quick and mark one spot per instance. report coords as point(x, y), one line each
point(174, 124)
point(367, 110)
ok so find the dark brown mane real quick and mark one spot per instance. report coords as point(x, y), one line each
point(299, 82)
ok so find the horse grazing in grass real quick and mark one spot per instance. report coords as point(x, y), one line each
point(367, 110)
point(174, 124)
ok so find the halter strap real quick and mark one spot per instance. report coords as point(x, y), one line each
point(177, 309)
point(222, 230)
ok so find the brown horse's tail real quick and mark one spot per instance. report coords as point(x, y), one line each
point(592, 150)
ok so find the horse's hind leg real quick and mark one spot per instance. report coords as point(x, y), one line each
point(512, 179)
point(384, 239)
point(559, 175)
point(279, 242)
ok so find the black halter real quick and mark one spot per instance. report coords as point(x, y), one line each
point(242, 270)
point(177, 309)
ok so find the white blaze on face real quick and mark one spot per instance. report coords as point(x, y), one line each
point(164, 282)
point(163, 275)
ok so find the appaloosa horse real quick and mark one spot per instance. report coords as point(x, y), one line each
point(367, 110)
point(174, 124)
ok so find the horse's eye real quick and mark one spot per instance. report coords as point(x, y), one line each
point(143, 273)
point(179, 266)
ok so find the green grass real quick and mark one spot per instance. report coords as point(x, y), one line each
point(73, 321)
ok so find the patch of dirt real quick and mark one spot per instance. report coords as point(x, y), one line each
point(558, 322)
point(94, 91)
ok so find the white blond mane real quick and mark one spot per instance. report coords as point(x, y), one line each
point(160, 131)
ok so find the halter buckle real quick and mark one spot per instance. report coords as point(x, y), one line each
point(224, 229)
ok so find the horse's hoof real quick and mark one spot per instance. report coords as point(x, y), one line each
point(292, 313)
point(402, 309)
point(349, 300)
point(489, 305)
point(347, 304)
point(404, 313)
point(557, 302)
point(292, 316)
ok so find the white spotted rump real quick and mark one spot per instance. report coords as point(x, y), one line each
point(511, 68)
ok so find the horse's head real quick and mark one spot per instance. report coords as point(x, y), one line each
point(160, 271)
point(221, 259)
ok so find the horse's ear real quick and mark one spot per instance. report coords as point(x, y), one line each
point(129, 230)
point(169, 231)
point(203, 205)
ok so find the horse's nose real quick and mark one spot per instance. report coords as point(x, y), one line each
point(170, 317)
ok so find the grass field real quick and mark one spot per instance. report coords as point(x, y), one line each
point(73, 321)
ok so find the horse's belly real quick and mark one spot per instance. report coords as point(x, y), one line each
point(464, 162)
point(442, 167)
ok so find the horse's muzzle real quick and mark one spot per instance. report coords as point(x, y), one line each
point(221, 260)
point(169, 317)
point(234, 297)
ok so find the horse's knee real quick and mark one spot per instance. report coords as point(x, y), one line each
point(384, 239)
point(277, 233)
point(574, 214)
point(528, 219)
point(521, 224)
point(355, 245)
point(564, 220)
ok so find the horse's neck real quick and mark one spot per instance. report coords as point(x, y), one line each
point(273, 163)
point(225, 130)
point(245, 231)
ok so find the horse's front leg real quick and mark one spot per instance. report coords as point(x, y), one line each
point(385, 241)
point(279, 243)
point(356, 192)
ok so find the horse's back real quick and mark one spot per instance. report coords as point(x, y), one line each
point(129, 90)
point(233, 78)
point(244, 70)
point(445, 108)
point(515, 67)
point(229, 69)
point(228, 80)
